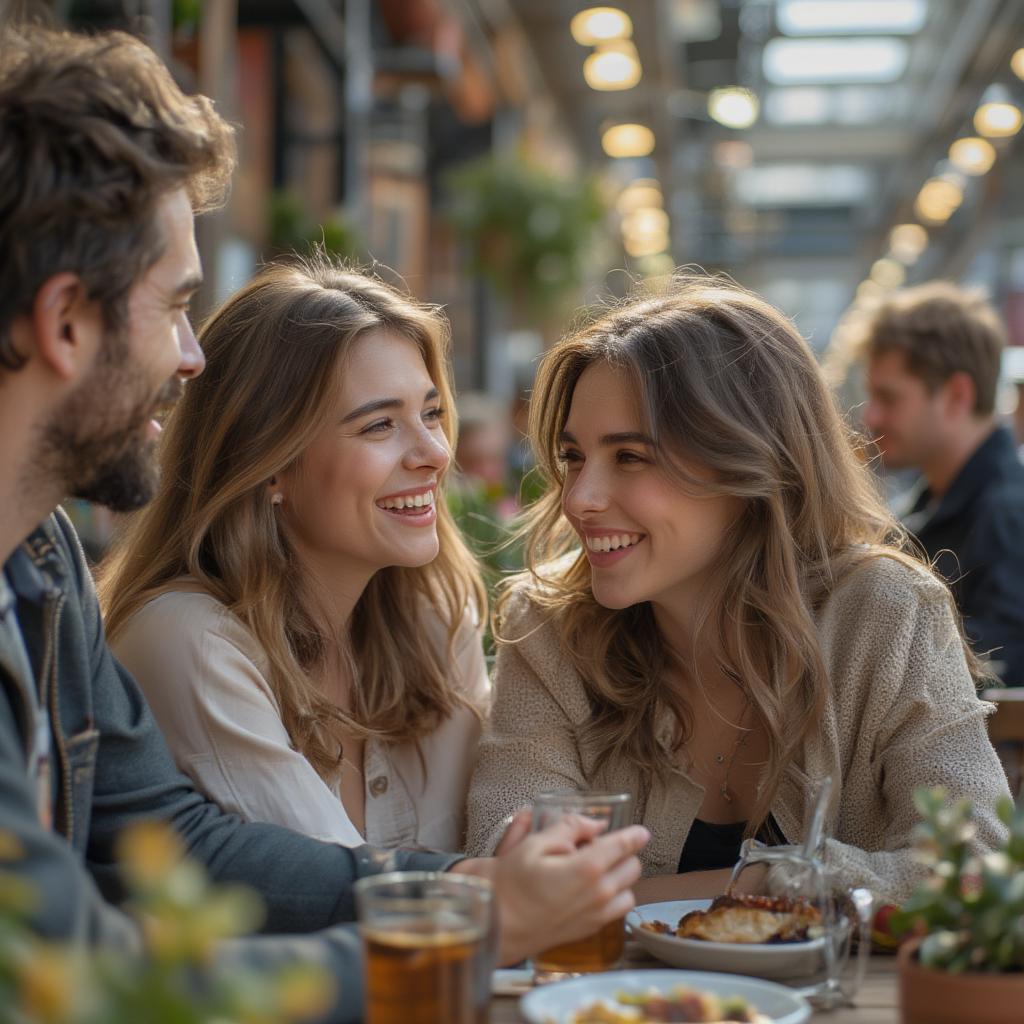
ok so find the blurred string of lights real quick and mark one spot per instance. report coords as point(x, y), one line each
point(614, 64)
point(997, 118)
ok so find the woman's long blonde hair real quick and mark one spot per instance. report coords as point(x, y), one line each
point(723, 380)
point(274, 355)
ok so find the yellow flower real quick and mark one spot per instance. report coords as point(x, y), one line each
point(305, 992)
point(148, 852)
point(46, 986)
point(10, 848)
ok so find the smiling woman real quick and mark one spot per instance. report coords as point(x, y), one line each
point(719, 609)
point(296, 603)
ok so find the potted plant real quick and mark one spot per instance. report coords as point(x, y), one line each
point(529, 231)
point(965, 959)
point(292, 228)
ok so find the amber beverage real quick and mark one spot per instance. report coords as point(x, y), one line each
point(598, 952)
point(429, 941)
point(601, 951)
point(421, 978)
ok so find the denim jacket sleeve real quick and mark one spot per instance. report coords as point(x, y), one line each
point(306, 885)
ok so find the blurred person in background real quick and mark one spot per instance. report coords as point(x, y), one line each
point(103, 162)
point(719, 611)
point(485, 432)
point(481, 495)
point(932, 357)
point(296, 602)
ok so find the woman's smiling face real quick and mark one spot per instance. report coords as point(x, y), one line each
point(647, 539)
point(361, 496)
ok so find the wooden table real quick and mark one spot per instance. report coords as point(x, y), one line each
point(877, 1001)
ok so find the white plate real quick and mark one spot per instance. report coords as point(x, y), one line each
point(784, 961)
point(552, 1004)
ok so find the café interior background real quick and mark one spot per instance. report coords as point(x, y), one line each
point(515, 160)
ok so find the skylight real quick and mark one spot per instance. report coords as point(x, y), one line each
point(803, 185)
point(851, 104)
point(820, 61)
point(865, 17)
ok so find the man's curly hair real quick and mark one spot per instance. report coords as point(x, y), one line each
point(93, 131)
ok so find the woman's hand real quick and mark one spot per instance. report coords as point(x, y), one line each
point(560, 884)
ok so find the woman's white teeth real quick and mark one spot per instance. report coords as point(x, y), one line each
point(410, 501)
point(614, 542)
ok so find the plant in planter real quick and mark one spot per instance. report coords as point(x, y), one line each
point(530, 232)
point(966, 961)
point(292, 228)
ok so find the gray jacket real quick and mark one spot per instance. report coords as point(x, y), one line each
point(61, 688)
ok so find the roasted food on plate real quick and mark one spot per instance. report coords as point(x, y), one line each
point(679, 1004)
point(746, 919)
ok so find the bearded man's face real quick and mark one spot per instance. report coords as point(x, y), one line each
point(100, 443)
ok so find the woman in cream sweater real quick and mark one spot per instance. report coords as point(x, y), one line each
point(719, 610)
point(297, 603)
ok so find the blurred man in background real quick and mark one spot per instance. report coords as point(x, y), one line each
point(933, 355)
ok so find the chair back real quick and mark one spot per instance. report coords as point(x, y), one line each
point(1006, 731)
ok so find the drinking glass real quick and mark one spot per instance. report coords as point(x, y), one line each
point(601, 951)
point(430, 942)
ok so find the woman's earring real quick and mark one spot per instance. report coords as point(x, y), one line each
point(277, 499)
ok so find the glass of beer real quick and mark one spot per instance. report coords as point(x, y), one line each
point(601, 951)
point(430, 942)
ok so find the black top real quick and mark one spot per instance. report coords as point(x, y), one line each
point(710, 846)
point(974, 533)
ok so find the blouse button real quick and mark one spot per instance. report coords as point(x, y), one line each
point(379, 785)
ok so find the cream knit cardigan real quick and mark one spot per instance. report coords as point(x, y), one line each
point(902, 712)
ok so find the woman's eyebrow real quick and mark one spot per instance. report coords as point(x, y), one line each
point(375, 406)
point(384, 403)
point(623, 437)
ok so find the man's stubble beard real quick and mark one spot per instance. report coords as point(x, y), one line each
point(96, 444)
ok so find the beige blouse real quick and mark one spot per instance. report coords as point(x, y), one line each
point(902, 712)
point(206, 679)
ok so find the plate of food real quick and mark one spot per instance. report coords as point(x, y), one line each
point(761, 936)
point(645, 997)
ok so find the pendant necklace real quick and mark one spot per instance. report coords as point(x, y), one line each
point(741, 739)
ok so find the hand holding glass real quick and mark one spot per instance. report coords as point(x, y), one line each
point(602, 950)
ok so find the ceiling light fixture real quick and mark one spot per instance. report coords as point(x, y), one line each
point(645, 221)
point(733, 107)
point(628, 140)
point(1017, 63)
point(645, 245)
point(997, 117)
point(642, 192)
point(888, 273)
point(599, 25)
point(869, 293)
point(972, 155)
point(613, 66)
point(907, 242)
point(938, 199)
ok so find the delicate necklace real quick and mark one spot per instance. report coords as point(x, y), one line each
point(741, 739)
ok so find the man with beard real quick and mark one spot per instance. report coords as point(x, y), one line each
point(103, 162)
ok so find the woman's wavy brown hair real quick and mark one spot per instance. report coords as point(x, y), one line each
point(274, 359)
point(723, 380)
